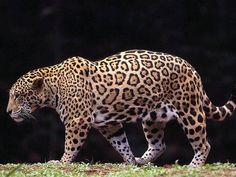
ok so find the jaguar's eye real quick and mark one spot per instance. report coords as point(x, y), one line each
point(17, 96)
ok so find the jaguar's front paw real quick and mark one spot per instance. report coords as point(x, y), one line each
point(141, 161)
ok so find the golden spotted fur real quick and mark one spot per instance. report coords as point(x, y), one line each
point(129, 86)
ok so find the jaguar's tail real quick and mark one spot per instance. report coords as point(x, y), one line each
point(222, 112)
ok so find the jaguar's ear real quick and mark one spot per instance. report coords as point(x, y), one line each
point(38, 84)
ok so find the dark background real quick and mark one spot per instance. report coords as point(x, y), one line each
point(40, 33)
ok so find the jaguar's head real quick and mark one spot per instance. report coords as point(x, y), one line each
point(26, 95)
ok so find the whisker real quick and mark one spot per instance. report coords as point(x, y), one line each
point(25, 115)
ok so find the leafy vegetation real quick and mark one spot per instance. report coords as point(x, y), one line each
point(116, 170)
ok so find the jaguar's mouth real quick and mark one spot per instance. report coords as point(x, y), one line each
point(21, 114)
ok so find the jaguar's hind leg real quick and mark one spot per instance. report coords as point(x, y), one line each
point(154, 133)
point(195, 128)
point(115, 134)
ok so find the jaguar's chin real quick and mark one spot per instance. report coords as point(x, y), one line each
point(18, 119)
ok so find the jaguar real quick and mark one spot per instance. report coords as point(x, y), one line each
point(130, 86)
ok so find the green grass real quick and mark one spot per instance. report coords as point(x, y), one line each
point(118, 170)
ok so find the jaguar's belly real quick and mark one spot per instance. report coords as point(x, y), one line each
point(104, 115)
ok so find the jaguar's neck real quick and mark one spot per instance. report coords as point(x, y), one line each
point(51, 76)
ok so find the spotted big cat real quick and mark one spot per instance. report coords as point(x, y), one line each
point(151, 87)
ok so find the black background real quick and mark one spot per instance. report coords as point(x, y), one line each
point(40, 33)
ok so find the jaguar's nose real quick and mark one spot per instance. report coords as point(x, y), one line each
point(9, 111)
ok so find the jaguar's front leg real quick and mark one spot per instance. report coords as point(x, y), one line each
point(75, 134)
